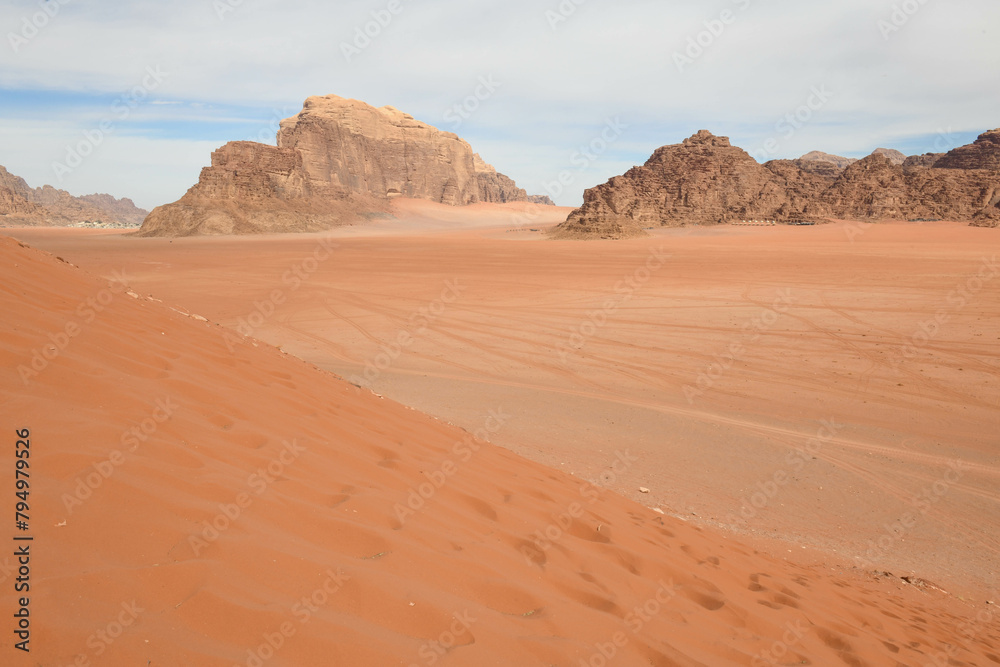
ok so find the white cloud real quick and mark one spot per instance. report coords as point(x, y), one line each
point(606, 59)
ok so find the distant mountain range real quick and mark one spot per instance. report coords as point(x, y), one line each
point(339, 161)
point(23, 206)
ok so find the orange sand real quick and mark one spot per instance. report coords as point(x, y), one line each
point(614, 412)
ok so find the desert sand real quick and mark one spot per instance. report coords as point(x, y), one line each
point(821, 477)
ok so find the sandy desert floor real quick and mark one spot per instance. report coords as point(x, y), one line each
point(828, 395)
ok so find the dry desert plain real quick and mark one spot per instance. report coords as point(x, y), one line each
point(806, 410)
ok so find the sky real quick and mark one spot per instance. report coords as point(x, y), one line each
point(131, 98)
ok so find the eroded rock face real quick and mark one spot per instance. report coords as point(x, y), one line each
point(984, 153)
point(894, 156)
point(949, 194)
point(836, 160)
point(705, 180)
point(252, 171)
point(15, 196)
point(967, 180)
point(21, 205)
point(827, 170)
point(335, 161)
point(876, 188)
point(803, 183)
point(919, 161)
point(384, 152)
point(871, 188)
point(494, 187)
point(253, 188)
point(349, 145)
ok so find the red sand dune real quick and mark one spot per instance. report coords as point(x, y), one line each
point(147, 426)
point(823, 319)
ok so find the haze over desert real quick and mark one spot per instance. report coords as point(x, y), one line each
point(565, 334)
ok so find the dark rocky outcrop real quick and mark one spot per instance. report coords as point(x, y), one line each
point(705, 180)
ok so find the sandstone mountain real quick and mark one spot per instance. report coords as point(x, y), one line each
point(21, 205)
point(335, 162)
point(963, 184)
point(255, 188)
point(819, 156)
point(984, 153)
point(494, 187)
point(826, 169)
point(349, 145)
point(872, 188)
point(703, 180)
point(15, 197)
point(925, 160)
point(841, 163)
point(542, 200)
point(706, 180)
point(892, 154)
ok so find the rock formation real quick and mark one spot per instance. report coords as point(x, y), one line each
point(493, 186)
point(919, 161)
point(541, 200)
point(872, 188)
point(15, 196)
point(386, 153)
point(959, 185)
point(892, 154)
point(351, 146)
point(803, 182)
point(836, 160)
point(335, 161)
point(826, 169)
point(984, 153)
point(21, 205)
point(705, 180)
point(255, 188)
